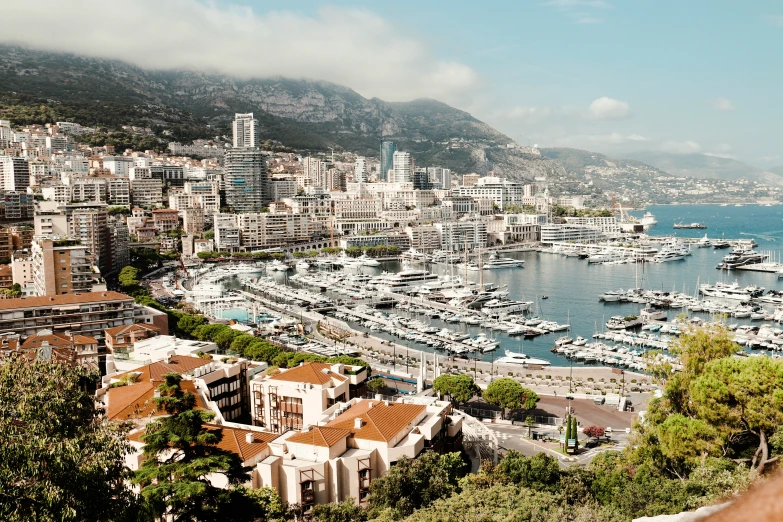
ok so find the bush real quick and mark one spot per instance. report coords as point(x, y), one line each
point(594, 431)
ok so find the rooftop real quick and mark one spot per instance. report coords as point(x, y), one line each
point(380, 421)
point(319, 436)
point(310, 373)
point(61, 300)
point(131, 328)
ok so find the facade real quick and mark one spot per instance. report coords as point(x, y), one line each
point(165, 220)
point(607, 225)
point(120, 339)
point(570, 232)
point(280, 189)
point(118, 165)
point(402, 167)
point(62, 267)
point(245, 128)
point(502, 193)
point(14, 174)
point(360, 170)
point(118, 191)
point(80, 349)
point(468, 180)
point(88, 313)
point(169, 175)
point(146, 192)
point(91, 227)
point(424, 238)
point(459, 236)
point(388, 148)
point(246, 179)
point(16, 206)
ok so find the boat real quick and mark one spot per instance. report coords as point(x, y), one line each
point(404, 281)
point(612, 296)
point(562, 341)
point(652, 314)
point(720, 244)
point(520, 358)
point(648, 220)
point(619, 322)
point(731, 291)
point(366, 260)
point(704, 242)
point(665, 256)
point(740, 257)
point(494, 262)
point(499, 307)
point(690, 226)
point(278, 266)
point(303, 265)
point(580, 341)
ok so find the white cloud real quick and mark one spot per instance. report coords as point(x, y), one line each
point(680, 147)
point(609, 109)
point(719, 155)
point(722, 104)
point(352, 47)
point(636, 137)
point(597, 140)
point(528, 114)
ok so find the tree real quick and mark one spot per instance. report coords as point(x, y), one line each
point(594, 431)
point(261, 350)
point(509, 394)
point(460, 388)
point(540, 472)
point(685, 441)
point(376, 385)
point(413, 483)
point(575, 433)
point(187, 323)
point(128, 277)
point(740, 396)
point(567, 433)
point(241, 342)
point(60, 459)
point(181, 454)
point(345, 511)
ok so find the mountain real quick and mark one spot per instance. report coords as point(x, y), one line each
point(776, 170)
point(704, 166)
point(303, 114)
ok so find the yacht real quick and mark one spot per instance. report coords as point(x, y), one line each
point(720, 244)
point(303, 265)
point(652, 314)
point(495, 262)
point(580, 341)
point(498, 307)
point(520, 358)
point(278, 266)
point(366, 260)
point(619, 322)
point(741, 257)
point(731, 291)
point(704, 242)
point(612, 296)
point(415, 256)
point(562, 341)
point(404, 281)
point(666, 256)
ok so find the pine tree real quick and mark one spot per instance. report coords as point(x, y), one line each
point(575, 434)
point(567, 432)
point(181, 455)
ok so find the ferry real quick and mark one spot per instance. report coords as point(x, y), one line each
point(520, 358)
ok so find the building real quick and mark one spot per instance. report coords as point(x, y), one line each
point(402, 167)
point(6, 277)
point(87, 189)
point(279, 189)
point(468, 180)
point(608, 225)
point(460, 236)
point(421, 179)
point(14, 174)
point(424, 238)
point(352, 444)
point(51, 224)
point(63, 267)
point(502, 193)
point(146, 192)
point(360, 170)
point(22, 271)
point(298, 396)
point(118, 165)
point(193, 221)
point(439, 177)
point(16, 206)
point(80, 349)
point(227, 236)
point(120, 242)
point(90, 226)
point(121, 339)
point(388, 148)
point(165, 220)
point(245, 128)
point(552, 233)
point(118, 191)
point(169, 175)
point(88, 313)
point(204, 194)
point(246, 179)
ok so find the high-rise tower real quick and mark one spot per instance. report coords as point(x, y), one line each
point(245, 130)
point(388, 148)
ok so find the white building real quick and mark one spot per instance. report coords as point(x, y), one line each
point(458, 236)
point(245, 177)
point(402, 167)
point(245, 128)
point(360, 170)
point(570, 232)
point(503, 193)
point(147, 192)
point(14, 174)
point(118, 165)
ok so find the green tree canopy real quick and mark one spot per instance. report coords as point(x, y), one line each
point(461, 387)
point(59, 458)
point(509, 394)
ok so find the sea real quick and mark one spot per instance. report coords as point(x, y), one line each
point(572, 286)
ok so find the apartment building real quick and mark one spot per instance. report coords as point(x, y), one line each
point(79, 349)
point(165, 220)
point(502, 193)
point(88, 189)
point(298, 396)
point(459, 236)
point(204, 194)
point(608, 225)
point(63, 267)
point(425, 238)
point(88, 313)
point(118, 191)
point(14, 174)
point(193, 220)
point(118, 165)
point(402, 167)
point(16, 206)
point(6, 277)
point(469, 180)
point(51, 224)
point(227, 235)
point(146, 192)
point(245, 130)
point(90, 226)
point(245, 178)
point(352, 444)
point(121, 339)
point(281, 188)
point(552, 233)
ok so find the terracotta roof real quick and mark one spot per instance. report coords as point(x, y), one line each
point(234, 440)
point(5, 270)
point(309, 373)
point(319, 436)
point(57, 340)
point(136, 400)
point(61, 300)
point(379, 422)
point(128, 328)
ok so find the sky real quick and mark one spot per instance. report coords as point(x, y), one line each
point(611, 76)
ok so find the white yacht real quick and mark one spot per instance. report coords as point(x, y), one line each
point(612, 296)
point(498, 307)
point(415, 256)
point(366, 260)
point(495, 262)
point(731, 291)
point(664, 257)
point(704, 242)
point(278, 266)
point(302, 265)
point(520, 358)
point(618, 322)
point(404, 281)
point(580, 341)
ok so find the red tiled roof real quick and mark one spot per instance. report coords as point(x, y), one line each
point(61, 300)
point(309, 373)
point(319, 436)
point(379, 422)
point(57, 340)
point(128, 328)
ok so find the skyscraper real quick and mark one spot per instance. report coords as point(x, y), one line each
point(360, 170)
point(245, 177)
point(402, 167)
point(245, 130)
point(388, 148)
point(14, 173)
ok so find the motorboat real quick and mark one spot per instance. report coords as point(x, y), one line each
point(664, 257)
point(562, 341)
point(580, 341)
point(303, 265)
point(704, 242)
point(612, 296)
point(741, 257)
point(618, 322)
point(494, 262)
point(521, 358)
point(720, 244)
point(731, 291)
point(278, 266)
point(366, 260)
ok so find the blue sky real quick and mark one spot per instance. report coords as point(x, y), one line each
point(612, 76)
